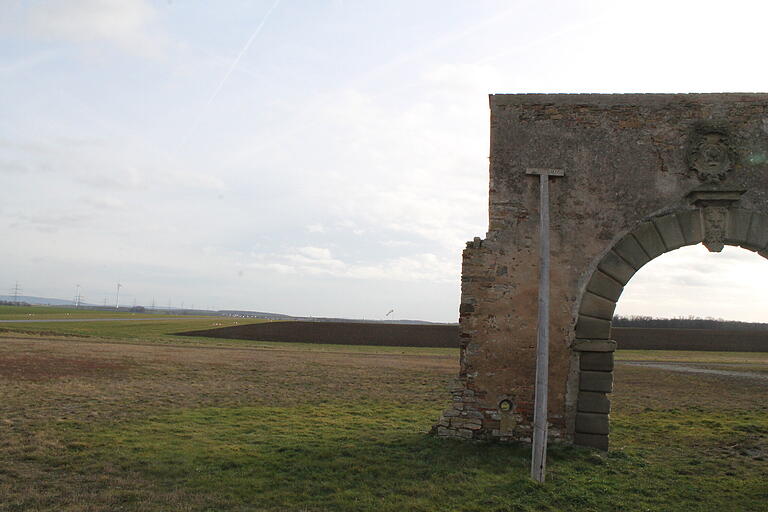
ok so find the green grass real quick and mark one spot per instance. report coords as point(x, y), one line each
point(163, 331)
point(130, 418)
point(152, 329)
point(375, 456)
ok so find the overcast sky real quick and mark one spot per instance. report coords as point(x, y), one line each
point(318, 157)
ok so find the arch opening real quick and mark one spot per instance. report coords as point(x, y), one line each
point(593, 344)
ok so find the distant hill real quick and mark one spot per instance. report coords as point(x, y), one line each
point(242, 313)
point(253, 314)
point(38, 301)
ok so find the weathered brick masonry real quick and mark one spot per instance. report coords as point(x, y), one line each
point(644, 174)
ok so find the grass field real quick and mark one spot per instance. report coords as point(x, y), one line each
point(54, 312)
point(139, 420)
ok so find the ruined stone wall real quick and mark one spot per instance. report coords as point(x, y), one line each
point(634, 165)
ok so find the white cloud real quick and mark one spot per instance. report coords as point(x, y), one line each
point(317, 261)
point(126, 24)
point(693, 281)
point(368, 170)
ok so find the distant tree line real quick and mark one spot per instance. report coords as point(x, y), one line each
point(13, 303)
point(688, 322)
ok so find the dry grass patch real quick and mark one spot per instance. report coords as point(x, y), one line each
point(100, 425)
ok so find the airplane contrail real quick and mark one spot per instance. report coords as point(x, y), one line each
point(232, 67)
point(242, 52)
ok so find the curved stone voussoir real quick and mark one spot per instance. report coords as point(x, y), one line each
point(690, 224)
point(615, 266)
point(597, 306)
point(670, 231)
point(649, 238)
point(757, 234)
point(737, 226)
point(605, 286)
point(631, 251)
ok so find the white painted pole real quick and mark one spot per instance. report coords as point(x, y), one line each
point(539, 438)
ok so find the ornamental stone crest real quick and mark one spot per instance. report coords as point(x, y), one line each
point(710, 153)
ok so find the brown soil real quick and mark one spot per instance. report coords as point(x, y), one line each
point(39, 367)
point(341, 333)
point(444, 335)
point(690, 339)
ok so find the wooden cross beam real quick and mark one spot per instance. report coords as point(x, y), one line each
point(545, 172)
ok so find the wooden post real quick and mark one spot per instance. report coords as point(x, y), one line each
point(539, 438)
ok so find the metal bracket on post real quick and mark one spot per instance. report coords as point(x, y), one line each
point(539, 438)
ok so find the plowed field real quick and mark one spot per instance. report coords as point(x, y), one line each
point(447, 335)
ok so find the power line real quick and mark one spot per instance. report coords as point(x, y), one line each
point(15, 291)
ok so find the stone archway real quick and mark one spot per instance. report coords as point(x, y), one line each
point(644, 175)
point(652, 238)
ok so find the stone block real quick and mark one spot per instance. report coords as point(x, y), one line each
point(597, 441)
point(629, 249)
point(649, 238)
point(581, 345)
point(613, 265)
point(670, 231)
point(737, 226)
point(592, 423)
point(596, 361)
point(594, 305)
point(593, 328)
point(596, 381)
point(605, 286)
point(593, 402)
point(757, 235)
point(466, 433)
point(690, 224)
point(445, 432)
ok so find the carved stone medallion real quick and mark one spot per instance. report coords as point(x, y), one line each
point(710, 154)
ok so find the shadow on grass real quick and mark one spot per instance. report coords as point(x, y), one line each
point(374, 456)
